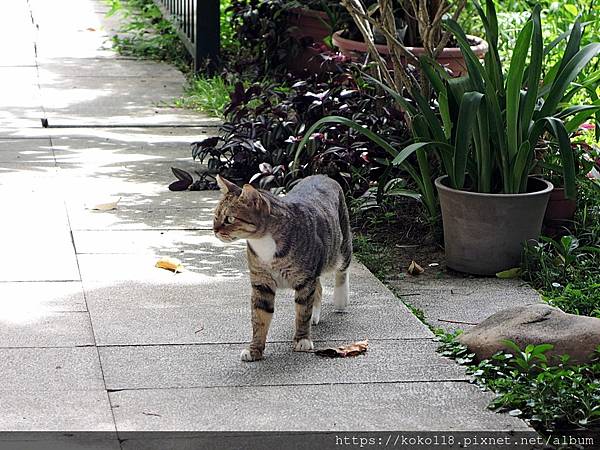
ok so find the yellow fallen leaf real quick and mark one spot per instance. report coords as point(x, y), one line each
point(344, 351)
point(415, 269)
point(105, 206)
point(172, 264)
point(515, 272)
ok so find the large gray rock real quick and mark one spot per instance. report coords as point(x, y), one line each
point(576, 336)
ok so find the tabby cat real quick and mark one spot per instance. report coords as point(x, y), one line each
point(291, 242)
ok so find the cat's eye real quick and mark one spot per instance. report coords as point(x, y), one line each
point(229, 219)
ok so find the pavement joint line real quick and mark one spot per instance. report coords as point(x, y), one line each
point(254, 386)
point(30, 347)
point(40, 281)
point(199, 344)
point(194, 344)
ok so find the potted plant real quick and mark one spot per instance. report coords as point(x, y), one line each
point(312, 23)
point(407, 28)
point(312, 19)
point(560, 211)
point(485, 137)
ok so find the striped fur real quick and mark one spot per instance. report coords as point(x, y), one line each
point(291, 242)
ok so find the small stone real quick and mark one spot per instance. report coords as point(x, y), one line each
point(570, 334)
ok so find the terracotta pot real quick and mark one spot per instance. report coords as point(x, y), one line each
point(559, 206)
point(451, 58)
point(484, 233)
point(309, 23)
point(308, 26)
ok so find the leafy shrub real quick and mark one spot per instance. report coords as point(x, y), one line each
point(265, 121)
point(265, 43)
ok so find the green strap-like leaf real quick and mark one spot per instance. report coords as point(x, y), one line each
point(513, 88)
point(467, 116)
point(534, 72)
point(474, 68)
point(395, 95)
point(492, 58)
point(573, 45)
point(520, 168)
point(412, 148)
point(557, 128)
point(566, 76)
point(349, 123)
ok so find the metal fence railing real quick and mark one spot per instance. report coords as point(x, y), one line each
point(198, 25)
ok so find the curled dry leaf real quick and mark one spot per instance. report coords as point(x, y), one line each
point(172, 264)
point(344, 351)
point(415, 269)
point(108, 206)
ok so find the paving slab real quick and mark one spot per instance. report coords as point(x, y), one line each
point(231, 324)
point(152, 173)
point(155, 134)
point(148, 241)
point(461, 303)
point(20, 101)
point(187, 366)
point(56, 411)
point(16, 21)
point(116, 101)
point(20, 328)
point(141, 219)
point(64, 441)
point(59, 68)
point(50, 369)
point(106, 151)
point(135, 189)
point(19, 151)
point(383, 406)
point(68, 28)
point(215, 309)
point(41, 296)
point(37, 242)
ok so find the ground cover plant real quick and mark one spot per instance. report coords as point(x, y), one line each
point(146, 33)
point(554, 396)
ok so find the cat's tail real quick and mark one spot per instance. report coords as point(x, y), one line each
point(346, 246)
point(341, 291)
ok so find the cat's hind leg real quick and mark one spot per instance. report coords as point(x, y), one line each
point(341, 290)
point(316, 311)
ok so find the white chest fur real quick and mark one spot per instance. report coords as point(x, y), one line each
point(264, 248)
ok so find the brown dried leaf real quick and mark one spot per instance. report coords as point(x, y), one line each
point(344, 351)
point(415, 269)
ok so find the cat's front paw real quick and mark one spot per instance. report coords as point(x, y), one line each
point(303, 345)
point(249, 355)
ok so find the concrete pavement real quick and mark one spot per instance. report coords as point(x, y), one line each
point(93, 337)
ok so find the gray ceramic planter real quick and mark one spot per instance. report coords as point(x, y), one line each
point(484, 233)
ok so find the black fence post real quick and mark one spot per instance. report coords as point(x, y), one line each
point(208, 34)
point(198, 25)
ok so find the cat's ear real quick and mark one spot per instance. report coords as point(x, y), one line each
point(252, 196)
point(227, 186)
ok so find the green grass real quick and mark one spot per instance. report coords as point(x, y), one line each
point(373, 256)
point(207, 94)
point(146, 34)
